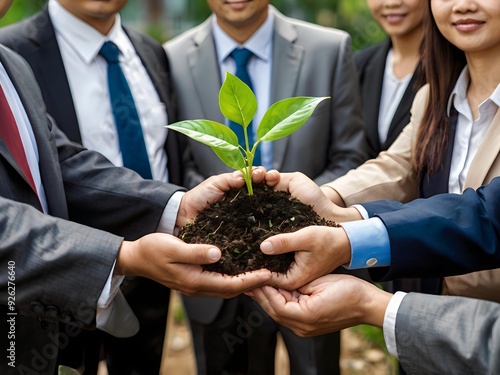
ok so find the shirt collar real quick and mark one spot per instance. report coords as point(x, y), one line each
point(259, 43)
point(82, 37)
point(459, 94)
point(458, 97)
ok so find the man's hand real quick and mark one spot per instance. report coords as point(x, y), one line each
point(306, 190)
point(319, 250)
point(328, 304)
point(175, 264)
point(212, 190)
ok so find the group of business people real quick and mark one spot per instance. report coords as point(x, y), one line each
point(450, 146)
point(64, 40)
point(62, 45)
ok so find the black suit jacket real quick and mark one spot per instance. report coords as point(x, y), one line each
point(371, 65)
point(53, 283)
point(35, 40)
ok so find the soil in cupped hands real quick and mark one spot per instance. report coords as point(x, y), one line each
point(239, 223)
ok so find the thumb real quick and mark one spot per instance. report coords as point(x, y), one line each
point(200, 254)
point(286, 243)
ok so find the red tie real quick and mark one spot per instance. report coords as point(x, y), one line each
point(10, 135)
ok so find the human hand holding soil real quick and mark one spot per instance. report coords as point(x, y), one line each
point(169, 261)
point(306, 190)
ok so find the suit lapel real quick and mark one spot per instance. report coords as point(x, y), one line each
point(33, 105)
point(49, 69)
point(485, 156)
point(439, 182)
point(150, 61)
point(287, 60)
point(373, 78)
point(202, 60)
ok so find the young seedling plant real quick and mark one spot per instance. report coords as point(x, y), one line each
point(238, 103)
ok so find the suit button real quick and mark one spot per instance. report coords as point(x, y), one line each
point(65, 317)
point(51, 312)
point(37, 307)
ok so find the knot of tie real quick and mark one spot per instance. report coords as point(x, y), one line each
point(241, 57)
point(110, 52)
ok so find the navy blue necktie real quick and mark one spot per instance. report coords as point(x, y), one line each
point(241, 57)
point(127, 122)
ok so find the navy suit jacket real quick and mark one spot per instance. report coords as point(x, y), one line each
point(371, 66)
point(35, 40)
point(447, 234)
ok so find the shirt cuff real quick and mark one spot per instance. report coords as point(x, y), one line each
point(362, 211)
point(390, 323)
point(113, 314)
point(169, 217)
point(369, 243)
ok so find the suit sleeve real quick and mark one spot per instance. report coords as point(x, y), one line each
point(113, 199)
point(44, 260)
point(444, 235)
point(348, 148)
point(448, 335)
point(390, 175)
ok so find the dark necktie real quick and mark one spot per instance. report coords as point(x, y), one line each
point(127, 122)
point(9, 132)
point(241, 57)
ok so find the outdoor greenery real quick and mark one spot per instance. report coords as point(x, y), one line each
point(164, 19)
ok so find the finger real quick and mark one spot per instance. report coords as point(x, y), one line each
point(272, 177)
point(279, 305)
point(230, 286)
point(261, 298)
point(319, 284)
point(195, 254)
point(284, 180)
point(295, 277)
point(288, 242)
point(258, 174)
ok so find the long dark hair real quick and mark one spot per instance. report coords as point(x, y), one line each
point(442, 64)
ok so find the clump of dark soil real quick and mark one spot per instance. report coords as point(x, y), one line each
point(239, 223)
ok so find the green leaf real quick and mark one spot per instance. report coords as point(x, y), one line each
point(237, 101)
point(232, 158)
point(208, 132)
point(219, 137)
point(286, 116)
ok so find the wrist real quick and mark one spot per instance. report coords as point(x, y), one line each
point(375, 306)
point(332, 195)
point(123, 259)
point(344, 248)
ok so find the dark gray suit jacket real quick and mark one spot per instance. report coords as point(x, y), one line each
point(308, 60)
point(438, 335)
point(61, 266)
point(371, 66)
point(35, 40)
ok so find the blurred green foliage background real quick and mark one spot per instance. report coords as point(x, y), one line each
point(164, 19)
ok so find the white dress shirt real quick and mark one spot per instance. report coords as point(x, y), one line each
point(26, 133)
point(79, 44)
point(469, 132)
point(259, 69)
point(393, 90)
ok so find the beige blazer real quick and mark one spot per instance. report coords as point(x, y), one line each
point(391, 176)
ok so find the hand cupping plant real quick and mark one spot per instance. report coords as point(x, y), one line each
point(239, 223)
point(238, 103)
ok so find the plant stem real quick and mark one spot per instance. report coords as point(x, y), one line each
point(247, 175)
